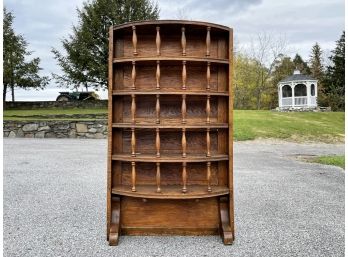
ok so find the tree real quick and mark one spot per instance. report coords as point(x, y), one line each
point(334, 81)
point(266, 52)
point(317, 70)
point(301, 65)
point(86, 49)
point(282, 69)
point(16, 71)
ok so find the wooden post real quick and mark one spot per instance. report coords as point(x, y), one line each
point(208, 76)
point(209, 176)
point(208, 142)
point(158, 143)
point(133, 177)
point(158, 177)
point(135, 41)
point(184, 76)
point(158, 75)
point(208, 109)
point(183, 41)
point(208, 41)
point(183, 109)
point(158, 109)
point(158, 41)
point(133, 108)
point(133, 142)
point(133, 75)
point(183, 142)
point(184, 177)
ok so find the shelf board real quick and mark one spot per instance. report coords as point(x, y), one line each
point(159, 92)
point(166, 58)
point(170, 125)
point(170, 192)
point(169, 158)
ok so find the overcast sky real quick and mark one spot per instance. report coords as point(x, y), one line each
point(44, 23)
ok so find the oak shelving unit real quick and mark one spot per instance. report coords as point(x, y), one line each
point(170, 147)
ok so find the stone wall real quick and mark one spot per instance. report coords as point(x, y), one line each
point(56, 129)
point(22, 105)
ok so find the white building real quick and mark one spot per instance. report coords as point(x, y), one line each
point(298, 91)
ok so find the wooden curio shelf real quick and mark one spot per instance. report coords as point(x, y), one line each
point(170, 118)
point(170, 192)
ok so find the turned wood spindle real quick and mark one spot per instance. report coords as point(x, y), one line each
point(158, 75)
point(133, 142)
point(183, 142)
point(158, 109)
point(209, 176)
point(184, 177)
point(158, 143)
point(133, 177)
point(183, 109)
point(183, 41)
point(133, 75)
point(158, 177)
point(208, 76)
point(208, 41)
point(184, 76)
point(158, 41)
point(208, 109)
point(208, 142)
point(135, 41)
point(133, 108)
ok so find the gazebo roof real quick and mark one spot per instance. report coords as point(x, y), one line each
point(297, 76)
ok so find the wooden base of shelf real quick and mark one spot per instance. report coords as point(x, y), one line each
point(170, 192)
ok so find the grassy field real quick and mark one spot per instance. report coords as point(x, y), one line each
point(295, 126)
point(25, 113)
point(248, 124)
point(336, 160)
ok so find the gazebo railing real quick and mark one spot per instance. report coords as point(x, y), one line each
point(300, 100)
point(287, 101)
point(313, 100)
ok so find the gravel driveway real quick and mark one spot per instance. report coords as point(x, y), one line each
point(54, 203)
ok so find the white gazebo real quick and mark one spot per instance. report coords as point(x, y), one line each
point(298, 91)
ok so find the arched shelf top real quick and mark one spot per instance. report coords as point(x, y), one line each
point(171, 22)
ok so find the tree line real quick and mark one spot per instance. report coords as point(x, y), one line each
point(83, 61)
point(258, 70)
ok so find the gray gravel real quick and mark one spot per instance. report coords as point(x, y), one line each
point(54, 203)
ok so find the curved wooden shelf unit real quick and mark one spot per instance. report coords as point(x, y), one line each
point(167, 59)
point(167, 125)
point(169, 158)
point(174, 22)
point(161, 92)
point(171, 192)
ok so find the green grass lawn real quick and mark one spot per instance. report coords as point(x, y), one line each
point(336, 160)
point(9, 113)
point(248, 124)
point(295, 126)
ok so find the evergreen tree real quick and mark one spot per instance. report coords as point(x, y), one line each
point(317, 71)
point(301, 65)
point(16, 71)
point(334, 81)
point(86, 59)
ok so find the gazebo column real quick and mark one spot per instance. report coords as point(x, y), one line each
point(308, 87)
point(280, 95)
point(292, 94)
